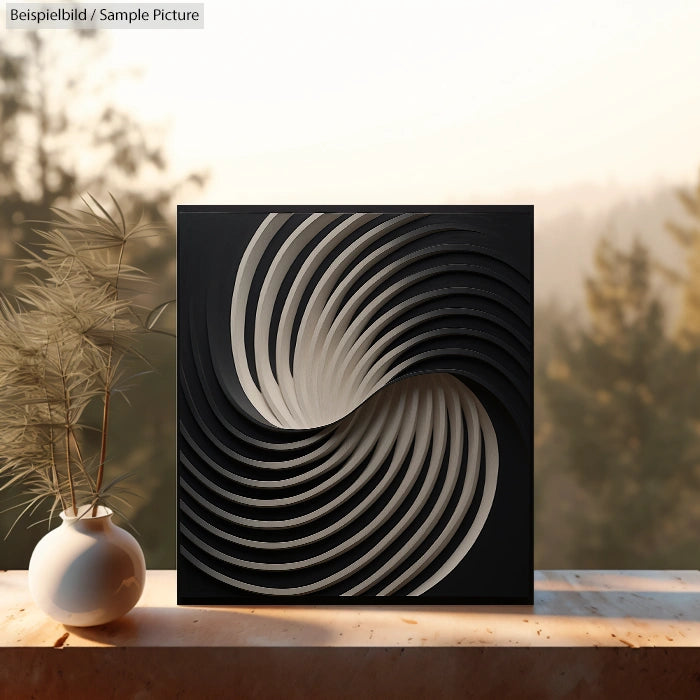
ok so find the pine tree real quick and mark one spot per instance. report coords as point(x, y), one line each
point(687, 234)
point(621, 396)
point(556, 489)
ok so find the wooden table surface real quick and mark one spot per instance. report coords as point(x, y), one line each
point(302, 651)
point(572, 608)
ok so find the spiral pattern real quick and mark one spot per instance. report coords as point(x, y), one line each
point(332, 438)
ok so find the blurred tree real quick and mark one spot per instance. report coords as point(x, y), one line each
point(687, 234)
point(62, 135)
point(557, 492)
point(621, 397)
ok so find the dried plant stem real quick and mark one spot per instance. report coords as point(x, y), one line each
point(105, 412)
point(52, 447)
point(70, 475)
point(54, 470)
point(79, 452)
point(66, 404)
point(103, 446)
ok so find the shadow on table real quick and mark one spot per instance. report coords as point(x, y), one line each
point(195, 626)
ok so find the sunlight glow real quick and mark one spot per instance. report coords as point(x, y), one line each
point(395, 102)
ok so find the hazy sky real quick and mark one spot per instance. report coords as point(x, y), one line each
point(383, 101)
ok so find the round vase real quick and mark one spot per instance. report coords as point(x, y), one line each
point(88, 571)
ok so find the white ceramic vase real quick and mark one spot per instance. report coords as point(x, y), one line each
point(88, 571)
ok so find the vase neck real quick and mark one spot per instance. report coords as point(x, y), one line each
point(85, 521)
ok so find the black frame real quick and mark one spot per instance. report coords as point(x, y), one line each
point(193, 586)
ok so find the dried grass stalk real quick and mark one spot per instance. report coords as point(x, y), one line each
point(63, 346)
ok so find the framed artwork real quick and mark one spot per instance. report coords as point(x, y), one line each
point(355, 404)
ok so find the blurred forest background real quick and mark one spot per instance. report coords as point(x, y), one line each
point(51, 155)
point(617, 329)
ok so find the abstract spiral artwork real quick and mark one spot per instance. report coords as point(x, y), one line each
point(355, 404)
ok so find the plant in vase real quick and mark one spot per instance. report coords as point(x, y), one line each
point(64, 345)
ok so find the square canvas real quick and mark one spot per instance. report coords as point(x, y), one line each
point(355, 404)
